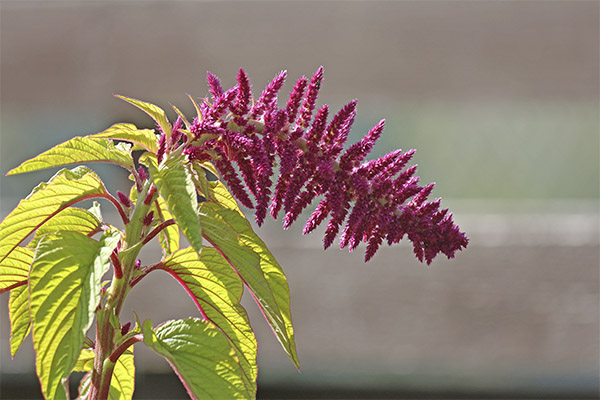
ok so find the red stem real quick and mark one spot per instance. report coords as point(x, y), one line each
point(117, 205)
point(14, 285)
point(138, 278)
point(121, 349)
point(157, 230)
point(114, 257)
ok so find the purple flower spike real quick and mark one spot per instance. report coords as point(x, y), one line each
point(243, 94)
point(142, 173)
point(295, 99)
point(123, 199)
point(358, 151)
point(372, 201)
point(268, 97)
point(311, 98)
point(214, 85)
point(162, 147)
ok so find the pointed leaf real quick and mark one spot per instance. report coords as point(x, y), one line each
point(217, 290)
point(201, 356)
point(77, 151)
point(64, 286)
point(168, 237)
point(20, 324)
point(85, 362)
point(184, 119)
point(122, 381)
point(70, 219)
point(175, 186)
point(143, 138)
point(157, 113)
point(14, 268)
point(45, 201)
point(256, 265)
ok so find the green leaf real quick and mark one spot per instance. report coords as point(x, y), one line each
point(256, 265)
point(269, 265)
point(175, 186)
point(168, 237)
point(45, 201)
point(14, 268)
point(201, 356)
point(122, 382)
point(217, 290)
point(64, 286)
point(157, 113)
point(70, 219)
point(20, 323)
point(14, 271)
point(184, 119)
point(85, 362)
point(142, 138)
point(76, 151)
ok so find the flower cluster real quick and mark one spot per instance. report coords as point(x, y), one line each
point(368, 201)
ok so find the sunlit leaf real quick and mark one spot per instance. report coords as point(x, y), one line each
point(256, 265)
point(183, 118)
point(168, 237)
point(76, 151)
point(14, 268)
point(268, 264)
point(85, 362)
point(65, 188)
point(175, 186)
point(122, 382)
point(70, 219)
point(20, 324)
point(64, 286)
point(157, 113)
point(201, 356)
point(217, 290)
point(144, 138)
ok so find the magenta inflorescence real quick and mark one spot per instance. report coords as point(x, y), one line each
point(374, 201)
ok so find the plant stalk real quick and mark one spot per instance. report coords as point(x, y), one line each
point(119, 288)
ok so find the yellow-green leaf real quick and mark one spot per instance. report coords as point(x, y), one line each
point(144, 138)
point(157, 113)
point(251, 258)
point(20, 324)
point(122, 382)
point(217, 290)
point(85, 362)
point(64, 287)
point(175, 186)
point(14, 271)
point(65, 188)
point(201, 356)
point(69, 219)
point(168, 237)
point(14, 268)
point(77, 151)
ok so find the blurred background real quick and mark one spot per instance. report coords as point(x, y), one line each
point(501, 101)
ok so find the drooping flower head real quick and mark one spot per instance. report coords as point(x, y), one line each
point(368, 201)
